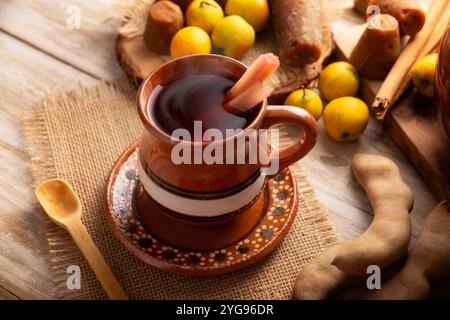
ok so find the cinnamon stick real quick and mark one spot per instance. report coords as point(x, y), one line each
point(411, 52)
point(431, 46)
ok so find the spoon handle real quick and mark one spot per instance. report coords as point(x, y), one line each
point(96, 260)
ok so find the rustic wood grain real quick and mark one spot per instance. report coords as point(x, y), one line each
point(328, 169)
point(26, 73)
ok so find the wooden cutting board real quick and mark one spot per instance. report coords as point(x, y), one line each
point(412, 124)
point(414, 127)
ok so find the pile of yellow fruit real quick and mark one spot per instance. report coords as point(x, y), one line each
point(345, 117)
point(232, 33)
point(208, 27)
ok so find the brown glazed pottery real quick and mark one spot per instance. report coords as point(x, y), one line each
point(442, 83)
point(208, 206)
point(277, 211)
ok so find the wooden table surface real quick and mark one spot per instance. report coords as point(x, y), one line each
point(38, 53)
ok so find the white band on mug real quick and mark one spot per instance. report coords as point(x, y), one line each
point(200, 208)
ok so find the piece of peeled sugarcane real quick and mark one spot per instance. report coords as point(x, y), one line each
point(320, 279)
point(250, 90)
point(386, 240)
point(429, 260)
point(378, 48)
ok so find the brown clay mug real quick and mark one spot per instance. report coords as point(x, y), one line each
point(207, 206)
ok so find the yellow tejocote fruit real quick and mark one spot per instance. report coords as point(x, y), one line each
point(338, 79)
point(255, 12)
point(233, 36)
point(190, 40)
point(345, 118)
point(306, 99)
point(204, 14)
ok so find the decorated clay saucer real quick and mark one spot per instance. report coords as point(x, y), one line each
point(277, 215)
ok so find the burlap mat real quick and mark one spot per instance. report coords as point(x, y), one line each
point(78, 136)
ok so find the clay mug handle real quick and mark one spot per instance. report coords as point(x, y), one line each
point(299, 118)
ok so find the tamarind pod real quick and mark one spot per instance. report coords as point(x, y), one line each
point(429, 260)
point(409, 13)
point(298, 28)
point(378, 48)
point(431, 251)
point(386, 240)
point(319, 279)
point(400, 287)
point(248, 99)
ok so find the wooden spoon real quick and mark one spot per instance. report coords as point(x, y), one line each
point(63, 207)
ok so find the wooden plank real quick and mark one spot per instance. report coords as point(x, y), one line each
point(415, 128)
point(412, 123)
point(347, 31)
point(43, 24)
point(328, 165)
point(26, 73)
